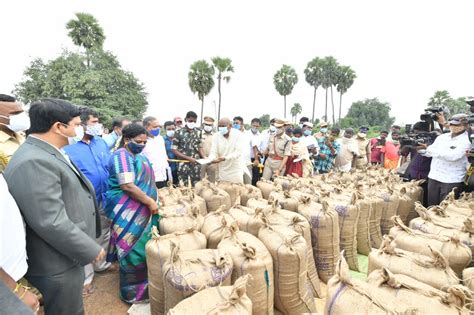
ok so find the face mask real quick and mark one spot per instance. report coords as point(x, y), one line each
point(79, 131)
point(254, 130)
point(208, 128)
point(301, 126)
point(361, 135)
point(236, 126)
point(223, 130)
point(295, 139)
point(19, 122)
point(324, 130)
point(135, 148)
point(307, 132)
point(396, 142)
point(272, 129)
point(190, 125)
point(280, 131)
point(95, 130)
point(155, 132)
point(170, 133)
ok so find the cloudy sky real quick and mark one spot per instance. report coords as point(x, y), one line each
point(402, 51)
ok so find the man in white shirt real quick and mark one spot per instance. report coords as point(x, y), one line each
point(346, 158)
point(449, 160)
point(226, 152)
point(13, 265)
point(246, 142)
point(255, 149)
point(267, 133)
point(309, 140)
point(155, 151)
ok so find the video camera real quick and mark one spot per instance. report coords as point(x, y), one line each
point(413, 139)
point(430, 113)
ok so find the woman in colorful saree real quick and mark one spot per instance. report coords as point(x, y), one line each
point(132, 207)
point(298, 164)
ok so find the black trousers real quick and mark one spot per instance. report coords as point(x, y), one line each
point(437, 191)
point(62, 293)
point(255, 174)
point(161, 184)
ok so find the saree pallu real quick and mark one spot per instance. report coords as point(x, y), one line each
point(293, 168)
point(131, 222)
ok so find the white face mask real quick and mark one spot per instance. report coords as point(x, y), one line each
point(170, 133)
point(273, 129)
point(19, 122)
point(223, 130)
point(79, 130)
point(190, 125)
point(207, 128)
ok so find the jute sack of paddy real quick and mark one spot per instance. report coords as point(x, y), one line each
point(186, 273)
point(285, 200)
point(430, 223)
point(463, 206)
point(324, 225)
point(389, 209)
point(248, 218)
point(158, 251)
point(406, 205)
point(170, 196)
point(433, 270)
point(443, 218)
point(179, 217)
point(288, 250)
point(190, 197)
point(352, 296)
point(415, 192)
point(363, 223)
point(457, 254)
point(251, 257)
point(248, 192)
point(468, 278)
point(344, 203)
point(298, 223)
point(232, 189)
point(266, 187)
point(214, 196)
point(258, 203)
point(375, 230)
point(220, 300)
point(216, 225)
point(416, 295)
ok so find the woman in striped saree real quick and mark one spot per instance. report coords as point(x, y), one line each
point(132, 207)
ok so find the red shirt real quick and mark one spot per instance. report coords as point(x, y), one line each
point(375, 151)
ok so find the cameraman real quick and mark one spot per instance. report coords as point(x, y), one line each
point(449, 160)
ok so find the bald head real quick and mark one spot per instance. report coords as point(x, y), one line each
point(225, 122)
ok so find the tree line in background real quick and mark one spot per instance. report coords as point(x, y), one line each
point(94, 77)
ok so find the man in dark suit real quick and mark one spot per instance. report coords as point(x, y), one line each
point(58, 204)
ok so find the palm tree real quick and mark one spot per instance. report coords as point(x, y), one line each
point(345, 79)
point(87, 33)
point(285, 80)
point(201, 80)
point(313, 75)
point(224, 67)
point(329, 69)
point(295, 110)
point(439, 99)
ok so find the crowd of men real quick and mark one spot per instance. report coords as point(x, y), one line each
point(56, 163)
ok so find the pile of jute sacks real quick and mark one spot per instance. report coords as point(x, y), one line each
point(225, 248)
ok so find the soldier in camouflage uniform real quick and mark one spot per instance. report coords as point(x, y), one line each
point(187, 146)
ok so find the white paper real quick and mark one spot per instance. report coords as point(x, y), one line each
point(204, 161)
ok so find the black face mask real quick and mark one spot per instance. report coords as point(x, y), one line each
point(135, 148)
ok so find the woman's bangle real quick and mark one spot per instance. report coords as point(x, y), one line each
point(25, 289)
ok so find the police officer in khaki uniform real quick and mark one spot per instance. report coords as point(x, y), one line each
point(207, 134)
point(279, 149)
point(364, 153)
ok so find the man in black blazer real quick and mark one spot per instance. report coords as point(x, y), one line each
point(58, 204)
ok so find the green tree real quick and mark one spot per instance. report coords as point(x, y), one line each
point(285, 80)
point(201, 80)
point(87, 33)
point(344, 80)
point(313, 75)
point(369, 112)
point(444, 99)
point(329, 76)
point(295, 110)
point(224, 68)
point(104, 86)
point(265, 121)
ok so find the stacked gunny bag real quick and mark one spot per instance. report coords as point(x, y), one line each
point(224, 248)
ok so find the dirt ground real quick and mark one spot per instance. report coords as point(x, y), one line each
point(105, 299)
